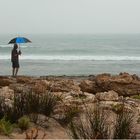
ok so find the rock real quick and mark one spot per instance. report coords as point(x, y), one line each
point(88, 86)
point(69, 98)
point(109, 104)
point(8, 103)
point(64, 86)
point(20, 88)
point(7, 93)
point(132, 102)
point(124, 84)
point(5, 82)
point(75, 94)
point(90, 98)
point(39, 87)
point(107, 96)
point(24, 80)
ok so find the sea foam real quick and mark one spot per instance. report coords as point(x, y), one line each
point(72, 57)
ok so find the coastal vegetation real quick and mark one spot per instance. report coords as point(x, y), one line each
point(69, 108)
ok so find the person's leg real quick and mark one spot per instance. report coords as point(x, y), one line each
point(16, 72)
point(13, 72)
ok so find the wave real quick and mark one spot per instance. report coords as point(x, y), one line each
point(10, 46)
point(6, 46)
point(70, 57)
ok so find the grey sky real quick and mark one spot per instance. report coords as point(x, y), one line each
point(69, 16)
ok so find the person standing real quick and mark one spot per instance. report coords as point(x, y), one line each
point(15, 60)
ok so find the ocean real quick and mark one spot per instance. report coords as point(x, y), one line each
point(74, 54)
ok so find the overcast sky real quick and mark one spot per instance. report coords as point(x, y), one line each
point(69, 16)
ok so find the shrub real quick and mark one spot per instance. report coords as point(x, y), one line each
point(47, 104)
point(118, 108)
point(24, 123)
point(124, 123)
point(29, 103)
point(18, 109)
point(1, 108)
point(69, 114)
point(136, 96)
point(5, 127)
point(90, 126)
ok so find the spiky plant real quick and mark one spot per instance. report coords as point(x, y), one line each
point(90, 126)
point(69, 114)
point(47, 104)
point(5, 126)
point(123, 126)
point(24, 123)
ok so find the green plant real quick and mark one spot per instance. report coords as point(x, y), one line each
point(1, 107)
point(69, 114)
point(47, 104)
point(5, 126)
point(118, 108)
point(18, 109)
point(136, 96)
point(24, 123)
point(124, 123)
point(90, 126)
point(44, 104)
point(30, 103)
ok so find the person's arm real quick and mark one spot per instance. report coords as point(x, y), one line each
point(19, 52)
point(16, 53)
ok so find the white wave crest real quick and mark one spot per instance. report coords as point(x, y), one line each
point(70, 57)
point(11, 45)
point(6, 46)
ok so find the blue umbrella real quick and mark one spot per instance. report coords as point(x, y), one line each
point(19, 40)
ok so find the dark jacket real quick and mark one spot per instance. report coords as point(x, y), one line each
point(14, 55)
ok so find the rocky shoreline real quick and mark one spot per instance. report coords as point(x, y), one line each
point(108, 90)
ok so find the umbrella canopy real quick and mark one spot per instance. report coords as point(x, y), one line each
point(19, 40)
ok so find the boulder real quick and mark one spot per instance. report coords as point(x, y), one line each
point(107, 96)
point(88, 86)
point(5, 82)
point(6, 92)
point(64, 86)
point(20, 88)
point(124, 84)
point(24, 80)
point(39, 87)
point(89, 97)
